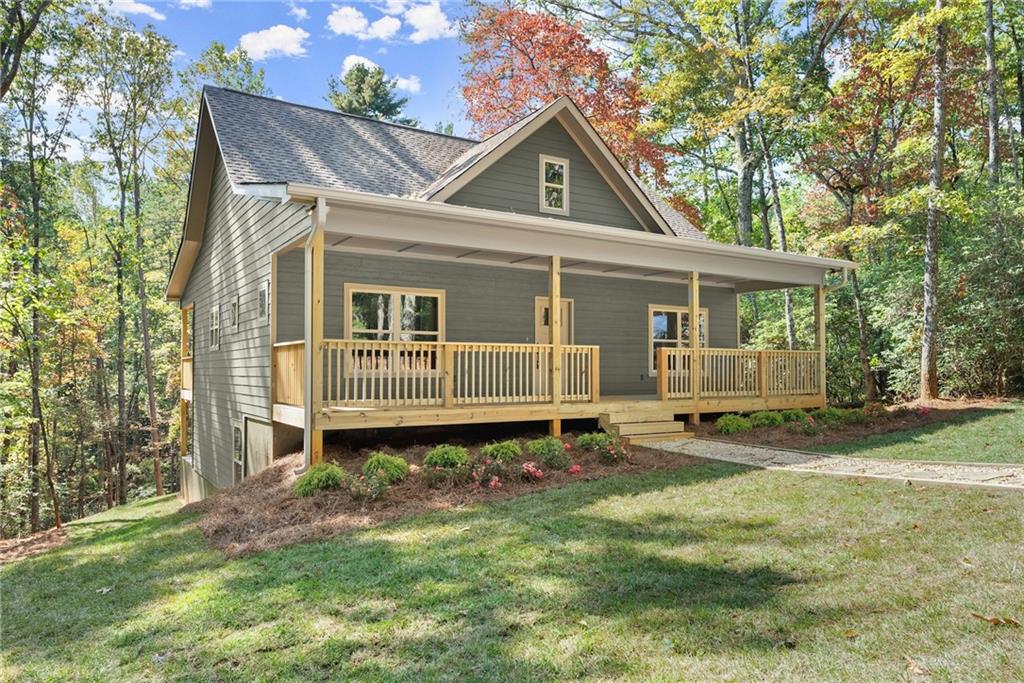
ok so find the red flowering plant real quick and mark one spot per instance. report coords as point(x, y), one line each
point(494, 484)
point(531, 471)
point(614, 453)
point(575, 469)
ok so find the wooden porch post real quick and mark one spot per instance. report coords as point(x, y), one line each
point(313, 438)
point(555, 334)
point(695, 369)
point(819, 325)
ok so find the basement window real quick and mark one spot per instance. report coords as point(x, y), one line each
point(238, 466)
point(554, 185)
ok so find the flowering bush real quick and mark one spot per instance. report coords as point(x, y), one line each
point(923, 411)
point(494, 484)
point(551, 451)
point(531, 471)
point(369, 487)
point(593, 441)
point(614, 453)
point(390, 468)
point(575, 469)
point(732, 424)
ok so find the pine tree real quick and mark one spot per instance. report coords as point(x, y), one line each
point(368, 92)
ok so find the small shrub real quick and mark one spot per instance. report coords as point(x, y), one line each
point(391, 468)
point(793, 415)
point(594, 441)
point(612, 454)
point(323, 477)
point(446, 464)
point(829, 417)
point(502, 452)
point(807, 426)
point(446, 457)
point(531, 472)
point(575, 469)
point(732, 424)
point(765, 418)
point(875, 410)
point(853, 416)
point(369, 487)
point(551, 451)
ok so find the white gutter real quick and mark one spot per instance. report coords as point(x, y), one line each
point(539, 228)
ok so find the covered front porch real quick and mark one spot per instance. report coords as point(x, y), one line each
point(420, 377)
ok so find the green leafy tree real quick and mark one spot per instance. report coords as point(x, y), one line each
point(366, 91)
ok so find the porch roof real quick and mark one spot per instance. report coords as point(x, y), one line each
point(368, 223)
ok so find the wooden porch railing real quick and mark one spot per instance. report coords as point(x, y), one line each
point(738, 373)
point(419, 374)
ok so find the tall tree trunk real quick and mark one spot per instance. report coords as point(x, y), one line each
point(147, 354)
point(122, 412)
point(929, 343)
point(35, 369)
point(773, 183)
point(744, 186)
point(991, 94)
point(766, 237)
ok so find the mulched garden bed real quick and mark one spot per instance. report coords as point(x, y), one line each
point(898, 418)
point(262, 513)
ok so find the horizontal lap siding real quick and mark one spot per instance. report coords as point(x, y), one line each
point(513, 183)
point(233, 381)
point(496, 304)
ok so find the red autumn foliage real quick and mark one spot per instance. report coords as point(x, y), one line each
point(518, 61)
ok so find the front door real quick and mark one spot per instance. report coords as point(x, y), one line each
point(542, 316)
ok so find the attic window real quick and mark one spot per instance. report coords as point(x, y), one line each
point(554, 185)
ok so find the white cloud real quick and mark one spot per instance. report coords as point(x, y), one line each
point(300, 13)
point(411, 84)
point(429, 21)
point(349, 21)
point(352, 60)
point(276, 41)
point(133, 7)
point(189, 4)
point(394, 7)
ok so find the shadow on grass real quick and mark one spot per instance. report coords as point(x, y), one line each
point(455, 594)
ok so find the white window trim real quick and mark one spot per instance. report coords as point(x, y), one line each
point(651, 308)
point(237, 458)
point(395, 292)
point(564, 211)
point(214, 327)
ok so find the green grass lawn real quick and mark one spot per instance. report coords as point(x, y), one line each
point(994, 434)
point(706, 572)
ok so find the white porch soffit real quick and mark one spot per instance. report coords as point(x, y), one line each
point(407, 227)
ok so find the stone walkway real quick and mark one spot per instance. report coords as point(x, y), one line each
point(994, 476)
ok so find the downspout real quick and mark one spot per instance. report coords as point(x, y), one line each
point(318, 213)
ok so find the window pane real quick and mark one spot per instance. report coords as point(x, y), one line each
point(420, 337)
point(419, 313)
point(665, 325)
point(554, 197)
point(372, 336)
point(554, 173)
point(371, 311)
point(661, 344)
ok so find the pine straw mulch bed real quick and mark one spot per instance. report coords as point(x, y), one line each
point(13, 549)
point(899, 418)
point(261, 513)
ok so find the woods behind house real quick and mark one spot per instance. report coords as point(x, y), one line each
point(887, 133)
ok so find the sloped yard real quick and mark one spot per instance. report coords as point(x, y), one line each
point(709, 572)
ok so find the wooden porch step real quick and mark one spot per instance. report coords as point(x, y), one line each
point(642, 428)
point(657, 414)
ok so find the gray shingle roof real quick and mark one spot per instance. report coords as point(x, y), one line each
point(268, 141)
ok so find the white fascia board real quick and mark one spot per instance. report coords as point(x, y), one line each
point(418, 221)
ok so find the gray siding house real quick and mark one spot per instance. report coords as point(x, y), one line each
point(440, 280)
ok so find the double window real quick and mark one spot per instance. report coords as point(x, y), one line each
point(554, 185)
point(669, 327)
point(394, 313)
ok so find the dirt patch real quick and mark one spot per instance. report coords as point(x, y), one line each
point(261, 513)
point(13, 549)
point(898, 418)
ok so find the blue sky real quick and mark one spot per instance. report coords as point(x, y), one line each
point(301, 44)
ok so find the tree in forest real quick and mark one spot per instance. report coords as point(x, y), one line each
point(365, 91)
point(20, 20)
point(130, 72)
point(517, 61)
